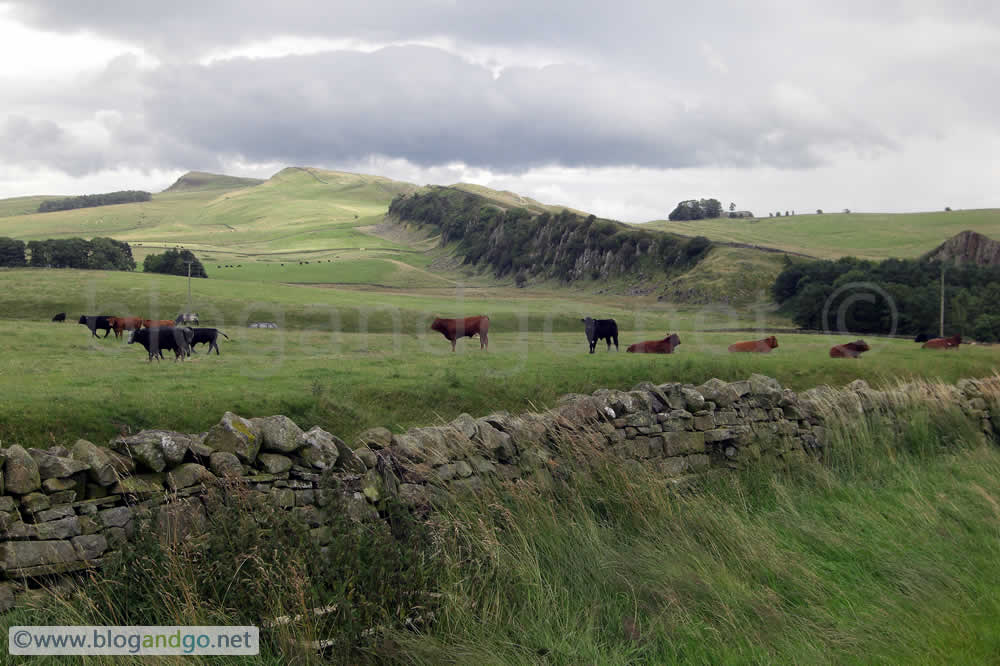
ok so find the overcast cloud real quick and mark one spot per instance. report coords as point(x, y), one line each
point(619, 108)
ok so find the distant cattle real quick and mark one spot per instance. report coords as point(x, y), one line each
point(60, 317)
point(923, 337)
point(849, 350)
point(94, 322)
point(262, 324)
point(208, 336)
point(157, 338)
point(759, 346)
point(157, 323)
point(664, 346)
point(944, 343)
point(600, 329)
point(453, 329)
point(119, 324)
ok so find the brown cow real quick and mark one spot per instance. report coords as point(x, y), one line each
point(849, 350)
point(119, 324)
point(943, 343)
point(761, 346)
point(453, 329)
point(664, 346)
point(156, 323)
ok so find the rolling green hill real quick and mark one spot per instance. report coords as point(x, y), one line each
point(200, 180)
point(866, 235)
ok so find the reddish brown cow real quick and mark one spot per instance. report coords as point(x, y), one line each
point(453, 329)
point(849, 350)
point(664, 346)
point(760, 346)
point(153, 323)
point(943, 343)
point(119, 324)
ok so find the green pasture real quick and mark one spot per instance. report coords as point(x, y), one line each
point(59, 383)
point(832, 235)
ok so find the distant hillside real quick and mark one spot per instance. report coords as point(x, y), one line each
point(200, 180)
point(507, 199)
point(527, 242)
point(967, 247)
point(833, 235)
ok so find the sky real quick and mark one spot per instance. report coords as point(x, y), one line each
point(621, 109)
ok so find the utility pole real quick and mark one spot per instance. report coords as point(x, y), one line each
point(941, 326)
point(188, 309)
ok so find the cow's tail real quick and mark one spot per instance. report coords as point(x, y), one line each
point(223, 335)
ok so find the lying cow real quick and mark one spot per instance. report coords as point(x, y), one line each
point(759, 346)
point(453, 329)
point(206, 335)
point(94, 322)
point(156, 339)
point(157, 323)
point(120, 324)
point(600, 329)
point(60, 317)
point(849, 350)
point(943, 343)
point(664, 346)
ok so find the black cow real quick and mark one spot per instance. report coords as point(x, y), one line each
point(60, 317)
point(206, 335)
point(601, 329)
point(156, 339)
point(924, 337)
point(94, 322)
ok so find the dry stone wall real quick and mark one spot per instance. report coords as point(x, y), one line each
point(64, 509)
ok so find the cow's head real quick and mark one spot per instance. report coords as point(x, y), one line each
point(131, 337)
point(83, 319)
point(674, 339)
point(859, 345)
point(589, 325)
point(438, 325)
point(771, 341)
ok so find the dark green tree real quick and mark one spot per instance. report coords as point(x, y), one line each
point(12, 253)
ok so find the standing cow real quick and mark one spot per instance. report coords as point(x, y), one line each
point(60, 317)
point(664, 346)
point(156, 339)
point(453, 329)
point(94, 322)
point(600, 329)
point(208, 336)
point(120, 324)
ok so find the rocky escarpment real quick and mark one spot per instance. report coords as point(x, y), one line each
point(64, 509)
point(968, 247)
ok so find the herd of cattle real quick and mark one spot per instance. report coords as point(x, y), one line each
point(155, 335)
point(607, 330)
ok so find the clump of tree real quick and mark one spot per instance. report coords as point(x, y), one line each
point(92, 200)
point(97, 254)
point(697, 209)
point(560, 245)
point(174, 262)
point(12, 253)
point(865, 294)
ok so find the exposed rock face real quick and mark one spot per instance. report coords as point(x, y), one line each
point(968, 247)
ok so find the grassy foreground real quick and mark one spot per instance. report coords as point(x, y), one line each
point(887, 552)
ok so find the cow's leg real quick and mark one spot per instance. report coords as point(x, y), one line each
point(106, 332)
point(616, 343)
point(216, 345)
point(484, 341)
point(453, 345)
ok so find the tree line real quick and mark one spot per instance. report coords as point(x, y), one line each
point(864, 294)
point(92, 200)
point(174, 262)
point(561, 245)
point(97, 253)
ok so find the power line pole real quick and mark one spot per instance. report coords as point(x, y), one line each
point(188, 309)
point(941, 326)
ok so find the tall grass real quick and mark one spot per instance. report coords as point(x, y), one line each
point(885, 551)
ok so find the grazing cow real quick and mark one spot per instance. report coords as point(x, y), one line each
point(60, 317)
point(158, 323)
point(156, 339)
point(453, 329)
point(760, 346)
point(119, 324)
point(849, 350)
point(664, 346)
point(943, 343)
point(923, 337)
point(600, 329)
point(94, 322)
point(206, 335)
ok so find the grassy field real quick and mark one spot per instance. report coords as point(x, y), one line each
point(868, 235)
